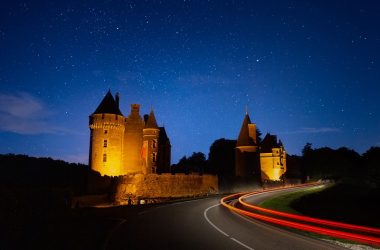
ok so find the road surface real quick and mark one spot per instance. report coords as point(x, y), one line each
point(204, 224)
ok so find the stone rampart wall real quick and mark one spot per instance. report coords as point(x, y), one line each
point(163, 186)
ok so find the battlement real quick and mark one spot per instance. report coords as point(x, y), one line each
point(107, 121)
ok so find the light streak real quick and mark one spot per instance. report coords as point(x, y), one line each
point(305, 227)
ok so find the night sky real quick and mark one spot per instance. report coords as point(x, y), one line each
point(308, 71)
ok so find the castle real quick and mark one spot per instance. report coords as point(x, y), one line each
point(259, 161)
point(135, 153)
point(122, 145)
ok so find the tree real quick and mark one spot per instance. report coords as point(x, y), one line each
point(221, 157)
point(371, 164)
point(258, 136)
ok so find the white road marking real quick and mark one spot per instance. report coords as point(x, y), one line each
point(212, 224)
point(220, 230)
point(241, 243)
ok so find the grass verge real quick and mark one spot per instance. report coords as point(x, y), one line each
point(283, 202)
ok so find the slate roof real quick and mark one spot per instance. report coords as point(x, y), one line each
point(108, 105)
point(269, 142)
point(151, 123)
point(244, 139)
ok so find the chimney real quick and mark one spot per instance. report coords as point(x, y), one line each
point(135, 108)
point(117, 96)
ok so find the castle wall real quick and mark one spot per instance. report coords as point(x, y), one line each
point(107, 131)
point(155, 186)
point(133, 142)
point(246, 161)
point(273, 165)
point(150, 150)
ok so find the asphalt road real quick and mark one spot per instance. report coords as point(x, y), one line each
point(204, 224)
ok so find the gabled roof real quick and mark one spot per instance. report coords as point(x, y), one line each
point(108, 105)
point(151, 123)
point(269, 142)
point(244, 139)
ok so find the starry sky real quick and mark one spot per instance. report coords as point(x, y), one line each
point(308, 71)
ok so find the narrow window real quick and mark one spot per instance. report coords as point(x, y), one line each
point(154, 144)
point(104, 157)
point(105, 131)
point(105, 143)
point(154, 157)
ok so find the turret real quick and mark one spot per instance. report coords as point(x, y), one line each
point(247, 157)
point(106, 137)
point(150, 144)
point(272, 158)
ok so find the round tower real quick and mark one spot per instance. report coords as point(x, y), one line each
point(107, 125)
point(151, 134)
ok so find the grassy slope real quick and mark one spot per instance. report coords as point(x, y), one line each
point(283, 202)
point(348, 203)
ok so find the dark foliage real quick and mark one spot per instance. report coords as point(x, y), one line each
point(222, 157)
point(25, 171)
point(340, 164)
point(196, 163)
point(350, 203)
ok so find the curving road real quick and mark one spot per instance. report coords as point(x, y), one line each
point(204, 224)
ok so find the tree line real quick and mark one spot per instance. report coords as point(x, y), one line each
point(342, 164)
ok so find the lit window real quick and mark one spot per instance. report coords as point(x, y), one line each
point(104, 157)
point(154, 157)
point(105, 143)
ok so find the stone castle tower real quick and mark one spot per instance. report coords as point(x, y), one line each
point(122, 145)
point(247, 155)
point(265, 161)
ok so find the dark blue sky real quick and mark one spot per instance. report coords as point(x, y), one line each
point(309, 71)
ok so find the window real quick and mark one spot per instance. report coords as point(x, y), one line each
point(104, 157)
point(105, 131)
point(154, 157)
point(105, 143)
point(154, 143)
point(102, 116)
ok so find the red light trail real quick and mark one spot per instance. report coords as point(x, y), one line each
point(299, 225)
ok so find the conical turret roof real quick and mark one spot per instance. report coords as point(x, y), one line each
point(244, 139)
point(108, 105)
point(151, 123)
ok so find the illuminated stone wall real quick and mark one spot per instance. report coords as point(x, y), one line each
point(150, 149)
point(273, 165)
point(106, 143)
point(133, 141)
point(156, 186)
